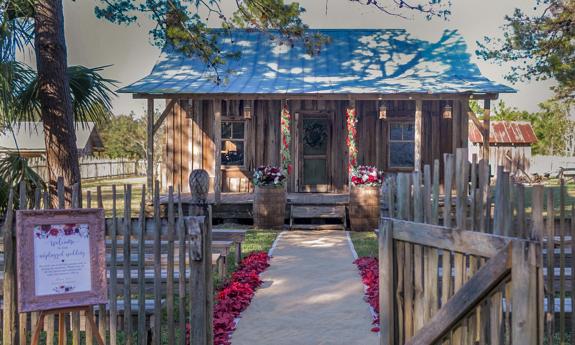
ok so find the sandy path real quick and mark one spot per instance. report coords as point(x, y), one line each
point(312, 294)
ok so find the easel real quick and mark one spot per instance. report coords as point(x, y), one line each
point(62, 327)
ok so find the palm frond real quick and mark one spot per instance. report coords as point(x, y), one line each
point(14, 169)
point(16, 27)
point(91, 96)
point(14, 79)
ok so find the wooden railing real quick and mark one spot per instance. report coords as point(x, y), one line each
point(160, 285)
point(476, 263)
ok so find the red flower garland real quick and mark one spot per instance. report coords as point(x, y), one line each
point(369, 271)
point(235, 296)
point(351, 140)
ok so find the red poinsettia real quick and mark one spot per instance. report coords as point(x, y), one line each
point(369, 271)
point(235, 296)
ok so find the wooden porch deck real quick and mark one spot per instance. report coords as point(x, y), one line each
point(238, 206)
point(292, 198)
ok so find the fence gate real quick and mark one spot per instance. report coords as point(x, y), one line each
point(441, 284)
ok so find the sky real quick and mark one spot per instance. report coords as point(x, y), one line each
point(130, 55)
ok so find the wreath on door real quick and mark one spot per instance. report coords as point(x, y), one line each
point(314, 135)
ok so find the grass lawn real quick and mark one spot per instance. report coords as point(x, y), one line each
point(555, 187)
point(106, 186)
point(365, 243)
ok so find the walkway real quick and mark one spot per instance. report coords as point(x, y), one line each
point(312, 295)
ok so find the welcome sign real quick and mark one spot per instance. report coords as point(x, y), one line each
point(61, 258)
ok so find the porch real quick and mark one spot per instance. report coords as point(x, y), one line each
point(316, 208)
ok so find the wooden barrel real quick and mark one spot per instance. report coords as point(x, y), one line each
point(364, 208)
point(269, 207)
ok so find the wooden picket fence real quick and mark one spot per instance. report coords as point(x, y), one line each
point(469, 268)
point(159, 275)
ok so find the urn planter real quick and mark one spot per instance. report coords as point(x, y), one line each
point(269, 207)
point(364, 207)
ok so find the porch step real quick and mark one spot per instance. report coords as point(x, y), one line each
point(317, 227)
point(317, 214)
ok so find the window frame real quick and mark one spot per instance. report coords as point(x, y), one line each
point(391, 122)
point(244, 140)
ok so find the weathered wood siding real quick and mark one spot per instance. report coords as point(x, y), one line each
point(190, 137)
point(176, 151)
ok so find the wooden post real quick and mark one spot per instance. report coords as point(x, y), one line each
point(9, 319)
point(386, 283)
point(524, 291)
point(217, 107)
point(150, 149)
point(201, 282)
point(486, 128)
point(418, 135)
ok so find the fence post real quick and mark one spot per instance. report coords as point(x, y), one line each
point(525, 320)
point(201, 282)
point(386, 283)
point(10, 328)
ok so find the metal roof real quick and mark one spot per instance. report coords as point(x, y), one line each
point(360, 61)
point(29, 137)
point(505, 132)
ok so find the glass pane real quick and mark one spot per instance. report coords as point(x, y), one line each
point(395, 131)
point(232, 152)
point(314, 171)
point(315, 136)
point(401, 155)
point(408, 131)
point(226, 130)
point(238, 130)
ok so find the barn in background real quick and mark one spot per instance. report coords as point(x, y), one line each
point(509, 144)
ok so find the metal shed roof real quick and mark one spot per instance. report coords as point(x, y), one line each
point(505, 132)
point(356, 61)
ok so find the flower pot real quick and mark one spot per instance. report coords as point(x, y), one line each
point(364, 208)
point(269, 207)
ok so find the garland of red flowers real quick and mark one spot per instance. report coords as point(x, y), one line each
point(369, 271)
point(351, 141)
point(286, 140)
point(235, 296)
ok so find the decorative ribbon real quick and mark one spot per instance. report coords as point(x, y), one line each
point(286, 140)
point(351, 141)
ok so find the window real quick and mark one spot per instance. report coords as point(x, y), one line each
point(233, 139)
point(401, 144)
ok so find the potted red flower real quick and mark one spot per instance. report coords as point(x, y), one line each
point(364, 197)
point(270, 197)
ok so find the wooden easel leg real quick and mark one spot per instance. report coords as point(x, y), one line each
point(90, 319)
point(61, 328)
point(37, 329)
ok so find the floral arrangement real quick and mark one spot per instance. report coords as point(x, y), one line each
point(286, 140)
point(56, 230)
point(365, 175)
point(369, 271)
point(235, 296)
point(269, 176)
point(351, 118)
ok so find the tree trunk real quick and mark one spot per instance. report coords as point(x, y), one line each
point(54, 95)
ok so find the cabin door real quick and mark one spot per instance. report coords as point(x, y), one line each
point(314, 154)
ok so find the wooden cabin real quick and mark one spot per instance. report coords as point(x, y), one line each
point(279, 105)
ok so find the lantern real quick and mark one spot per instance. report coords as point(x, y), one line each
point(247, 110)
point(382, 111)
point(447, 112)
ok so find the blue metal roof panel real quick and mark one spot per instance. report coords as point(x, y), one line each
point(355, 61)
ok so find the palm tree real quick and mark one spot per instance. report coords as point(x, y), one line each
point(57, 95)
